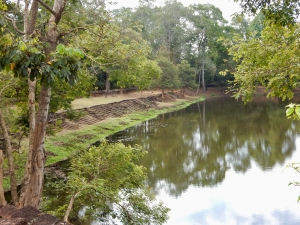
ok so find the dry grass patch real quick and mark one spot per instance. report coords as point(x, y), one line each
point(88, 102)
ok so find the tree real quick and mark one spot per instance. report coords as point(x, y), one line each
point(281, 12)
point(257, 25)
point(172, 21)
point(169, 77)
point(241, 24)
point(187, 75)
point(37, 56)
point(121, 53)
point(106, 180)
point(206, 26)
point(162, 26)
point(7, 91)
point(38, 47)
point(271, 61)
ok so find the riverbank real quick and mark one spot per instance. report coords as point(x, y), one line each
point(104, 117)
point(103, 120)
point(115, 114)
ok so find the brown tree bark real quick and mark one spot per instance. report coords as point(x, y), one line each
point(30, 17)
point(34, 174)
point(11, 165)
point(2, 197)
point(32, 189)
point(107, 85)
point(70, 206)
point(203, 80)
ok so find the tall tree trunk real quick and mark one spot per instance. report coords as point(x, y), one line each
point(203, 81)
point(31, 110)
point(203, 117)
point(11, 165)
point(199, 82)
point(107, 85)
point(32, 190)
point(2, 197)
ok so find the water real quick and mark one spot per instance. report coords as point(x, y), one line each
point(222, 162)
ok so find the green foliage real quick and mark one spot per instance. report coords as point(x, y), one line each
point(279, 12)
point(271, 61)
point(25, 58)
point(73, 114)
point(293, 111)
point(7, 89)
point(63, 95)
point(207, 25)
point(257, 25)
point(53, 128)
point(3, 7)
point(169, 77)
point(296, 167)
point(108, 182)
point(187, 75)
point(121, 53)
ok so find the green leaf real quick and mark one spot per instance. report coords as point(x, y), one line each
point(297, 111)
point(289, 112)
point(22, 46)
point(60, 49)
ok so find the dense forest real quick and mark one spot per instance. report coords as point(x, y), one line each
point(61, 50)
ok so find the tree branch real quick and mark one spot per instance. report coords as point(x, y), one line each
point(71, 31)
point(14, 24)
point(47, 7)
point(71, 203)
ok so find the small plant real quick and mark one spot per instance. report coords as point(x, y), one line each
point(73, 114)
point(53, 128)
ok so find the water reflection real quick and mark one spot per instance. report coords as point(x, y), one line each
point(196, 146)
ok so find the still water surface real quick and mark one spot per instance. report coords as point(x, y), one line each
point(222, 162)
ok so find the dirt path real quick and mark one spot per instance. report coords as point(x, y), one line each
point(96, 109)
point(99, 100)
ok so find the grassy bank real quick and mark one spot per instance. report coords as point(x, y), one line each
point(64, 144)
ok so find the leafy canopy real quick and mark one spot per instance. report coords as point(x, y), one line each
point(281, 12)
point(25, 58)
point(108, 182)
point(271, 61)
point(120, 52)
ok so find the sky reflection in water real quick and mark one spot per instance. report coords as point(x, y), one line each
point(255, 197)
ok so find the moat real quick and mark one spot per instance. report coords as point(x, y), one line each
point(222, 162)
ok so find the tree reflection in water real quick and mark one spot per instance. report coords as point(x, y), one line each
point(197, 145)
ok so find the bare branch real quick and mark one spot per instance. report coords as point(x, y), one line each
point(47, 7)
point(14, 24)
point(71, 31)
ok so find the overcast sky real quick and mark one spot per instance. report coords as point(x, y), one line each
point(228, 7)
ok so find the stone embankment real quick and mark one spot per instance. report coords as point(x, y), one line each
point(97, 113)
